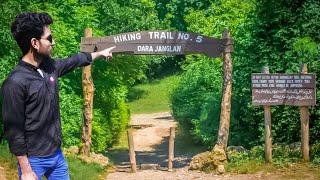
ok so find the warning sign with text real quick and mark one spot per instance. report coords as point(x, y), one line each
point(283, 89)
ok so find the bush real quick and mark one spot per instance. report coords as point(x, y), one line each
point(71, 118)
point(315, 153)
point(196, 100)
point(107, 126)
point(1, 124)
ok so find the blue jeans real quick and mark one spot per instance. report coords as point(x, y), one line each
point(54, 167)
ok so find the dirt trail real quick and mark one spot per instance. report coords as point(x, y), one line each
point(151, 142)
point(151, 147)
point(154, 129)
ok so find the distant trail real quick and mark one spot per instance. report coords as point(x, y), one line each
point(157, 128)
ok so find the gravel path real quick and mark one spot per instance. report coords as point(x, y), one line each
point(184, 174)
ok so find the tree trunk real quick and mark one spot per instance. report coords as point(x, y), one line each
point(217, 157)
point(223, 133)
point(88, 91)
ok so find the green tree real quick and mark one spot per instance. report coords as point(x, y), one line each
point(204, 120)
point(278, 38)
point(111, 79)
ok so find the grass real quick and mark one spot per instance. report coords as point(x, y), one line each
point(297, 170)
point(77, 168)
point(286, 163)
point(249, 167)
point(81, 170)
point(152, 97)
point(8, 162)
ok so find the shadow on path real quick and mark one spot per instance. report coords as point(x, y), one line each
point(184, 151)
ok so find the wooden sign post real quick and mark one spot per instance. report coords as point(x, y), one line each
point(132, 153)
point(88, 91)
point(267, 127)
point(285, 89)
point(304, 120)
point(223, 133)
point(171, 149)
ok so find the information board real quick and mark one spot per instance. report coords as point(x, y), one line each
point(283, 89)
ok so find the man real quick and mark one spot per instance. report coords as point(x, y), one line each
point(30, 95)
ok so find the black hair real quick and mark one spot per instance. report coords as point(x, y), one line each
point(27, 26)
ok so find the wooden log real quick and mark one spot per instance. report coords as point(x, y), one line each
point(267, 128)
point(304, 120)
point(132, 154)
point(88, 92)
point(223, 134)
point(171, 149)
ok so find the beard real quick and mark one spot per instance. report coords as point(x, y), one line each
point(43, 57)
point(46, 62)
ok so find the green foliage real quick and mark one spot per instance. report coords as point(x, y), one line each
point(9, 51)
point(197, 98)
point(118, 16)
point(111, 79)
point(175, 11)
point(109, 125)
point(306, 48)
point(162, 66)
point(280, 34)
point(192, 104)
point(277, 38)
point(71, 126)
point(1, 124)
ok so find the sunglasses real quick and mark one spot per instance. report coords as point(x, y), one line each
point(49, 38)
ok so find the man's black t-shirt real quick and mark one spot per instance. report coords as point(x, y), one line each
point(30, 106)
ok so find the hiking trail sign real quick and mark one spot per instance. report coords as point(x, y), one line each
point(157, 42)
point(166, 43)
